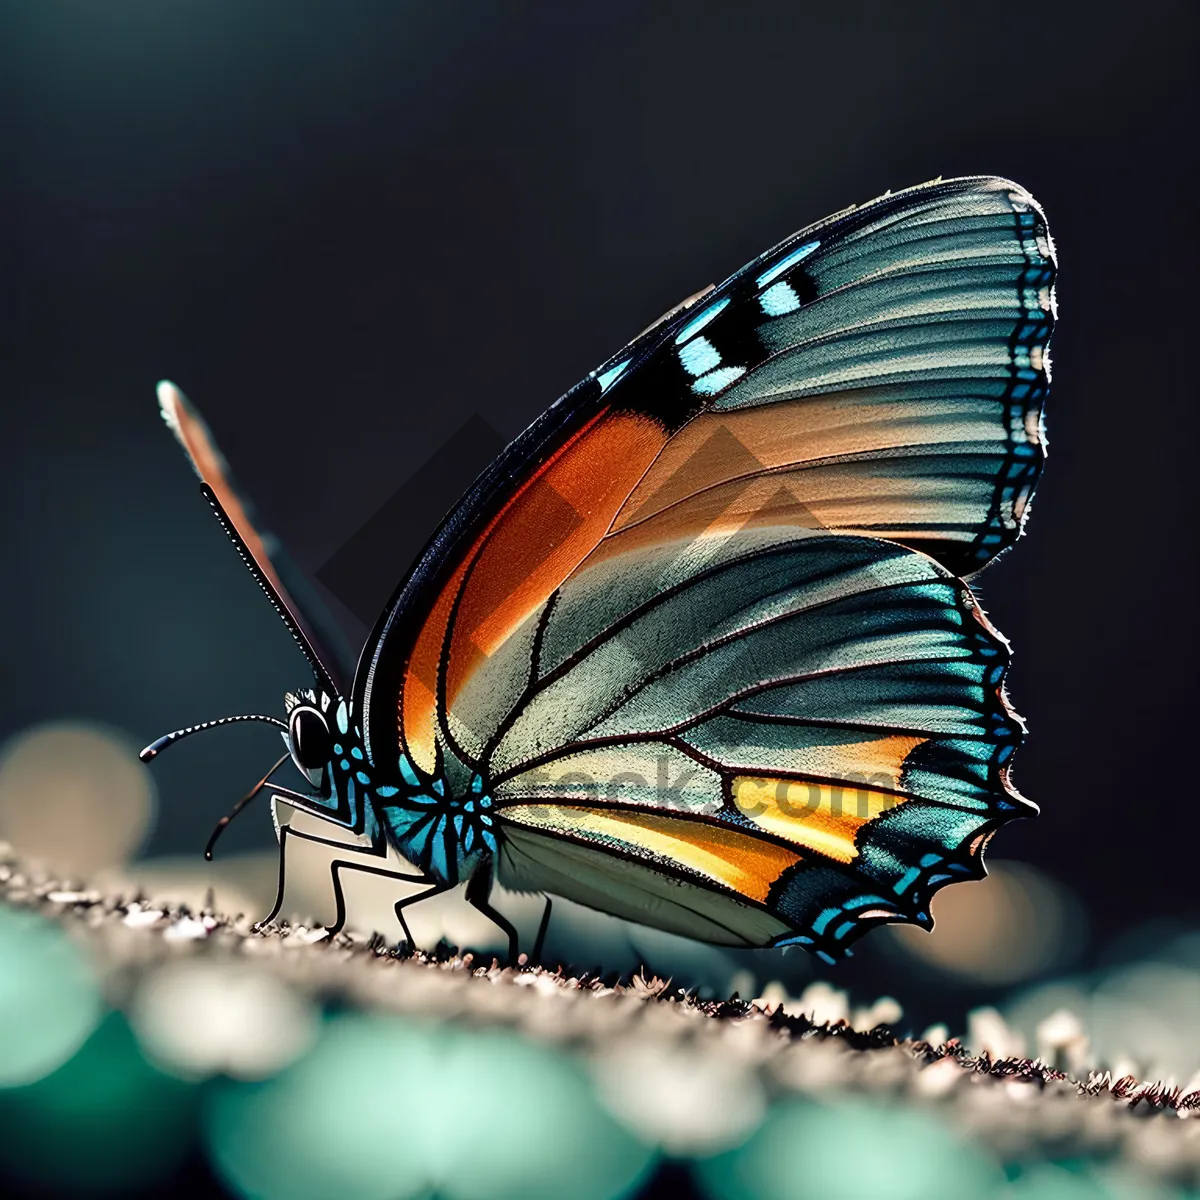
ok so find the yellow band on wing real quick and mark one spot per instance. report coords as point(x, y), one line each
point(740, 861)
point(820, 816)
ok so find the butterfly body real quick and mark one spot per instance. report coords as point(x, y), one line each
point(449, 834)
point(696, 650)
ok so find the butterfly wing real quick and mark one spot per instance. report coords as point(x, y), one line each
point(808, 729)
point(681, 538)
point(313, 629)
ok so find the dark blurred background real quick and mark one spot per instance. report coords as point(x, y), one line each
point(344, 230)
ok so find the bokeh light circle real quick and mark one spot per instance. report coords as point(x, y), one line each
point(74, 795)
point(383, 1109)
point(200, 1017)
point(49, 1001)
point(847, 1151)
point(105, 1122)
point(1000, 930)
point(533, 1123)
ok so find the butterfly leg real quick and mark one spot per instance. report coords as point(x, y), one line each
point(340, 918)
point(284, 833)
point(540, 940)
point(379, 850)
point(401, 905)
point(478, 888)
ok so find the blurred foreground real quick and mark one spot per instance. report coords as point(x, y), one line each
point(180, 1052)
point(151, 1045)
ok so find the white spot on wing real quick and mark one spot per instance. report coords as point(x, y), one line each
point(699, 356)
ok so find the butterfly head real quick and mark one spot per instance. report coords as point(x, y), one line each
point(310, 735)
point(319, 733)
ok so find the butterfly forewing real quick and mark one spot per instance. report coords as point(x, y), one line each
point(699, 630)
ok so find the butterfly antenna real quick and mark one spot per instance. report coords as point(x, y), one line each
point(169, 739)
point(237, 808)
point(269, 585)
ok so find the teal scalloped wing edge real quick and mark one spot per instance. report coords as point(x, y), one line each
point(831, 905)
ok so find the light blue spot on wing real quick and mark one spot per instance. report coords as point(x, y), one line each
point(824, 918)
point(714, 381)
point(786, 264)
point(699, 356)
point(798, 940)
point(410, 776)
point(697, 323)
point(607, 378)
point(343, 717)
point(779, 299)
point(388, 790)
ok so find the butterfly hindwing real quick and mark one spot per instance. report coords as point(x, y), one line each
point(806, 703)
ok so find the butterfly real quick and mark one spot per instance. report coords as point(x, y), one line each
point(696, 650)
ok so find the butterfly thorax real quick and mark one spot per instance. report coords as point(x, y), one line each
point(446, 831)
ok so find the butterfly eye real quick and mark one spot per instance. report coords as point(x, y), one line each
point(310, 740)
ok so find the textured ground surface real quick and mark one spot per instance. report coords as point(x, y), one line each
point(649, 1030)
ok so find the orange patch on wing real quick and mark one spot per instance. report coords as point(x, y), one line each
point(720, 447)
point(778, 464)
point(838, 496)
point(418, 696)
point(546, 531)
point(875, 762)
point(739, 861)
point(528, 549)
